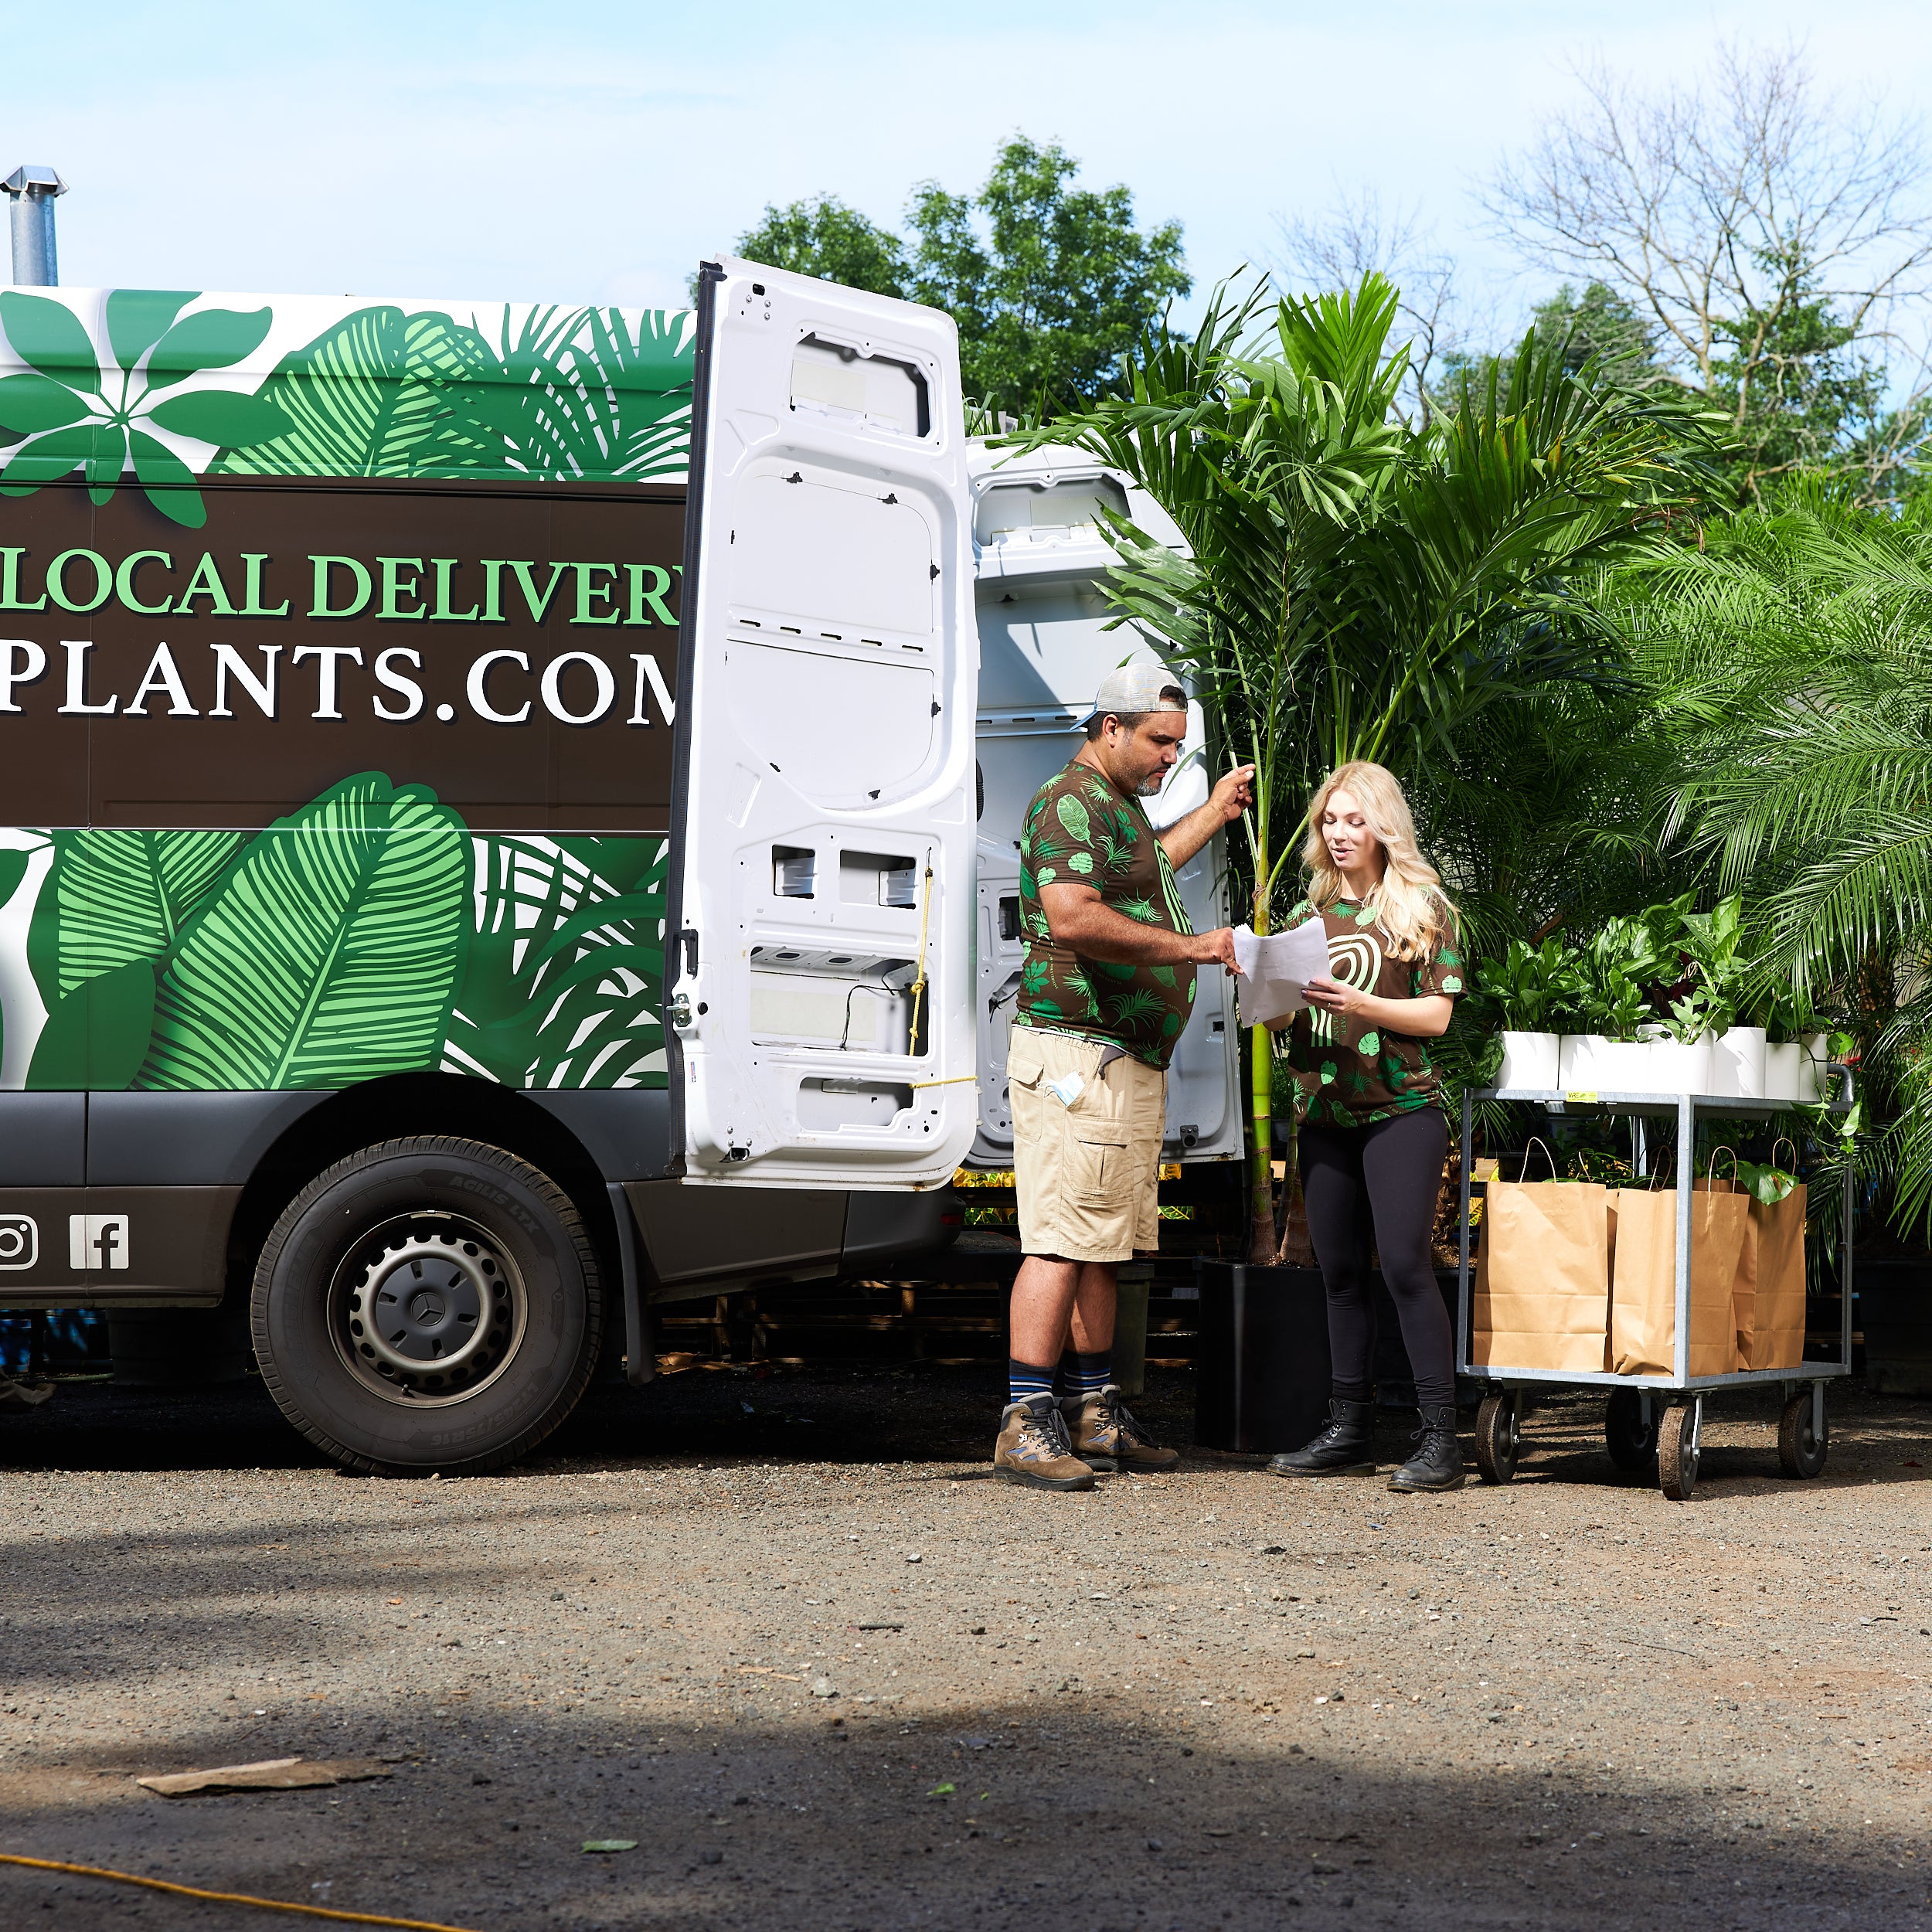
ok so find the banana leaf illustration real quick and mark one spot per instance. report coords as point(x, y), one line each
point(366, 398)
point(118, 895)
point(565, 979)
point(74, 414)
point(328, 952)
point(98, 1036)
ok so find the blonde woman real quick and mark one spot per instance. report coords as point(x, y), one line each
point(1372, 1135)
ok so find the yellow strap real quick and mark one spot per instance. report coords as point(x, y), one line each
point(956, 1079)
point(225, 1898)
point(919, 985)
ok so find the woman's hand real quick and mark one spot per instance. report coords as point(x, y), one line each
point(1332, 997)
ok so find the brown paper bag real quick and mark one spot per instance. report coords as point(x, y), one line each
point(1769, 1302)
point(1643, 1291)
point(1541, 1295)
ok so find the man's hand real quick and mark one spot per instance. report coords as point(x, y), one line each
point(1233, 794)
point(1215, 948)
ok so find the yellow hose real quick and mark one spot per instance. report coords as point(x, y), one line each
point(225, 1898)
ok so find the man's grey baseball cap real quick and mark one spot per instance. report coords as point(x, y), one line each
point(1134, 688)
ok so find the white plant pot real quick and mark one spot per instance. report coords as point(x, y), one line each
point(1814, 1051)
point(1531, 1062)
point(1737, 1064)
point(1784, 1070)
point(1593, 1064)
point(1669, 1065)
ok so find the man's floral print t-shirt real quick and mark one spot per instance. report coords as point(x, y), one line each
point(1347, 1072)
point(1080, 831)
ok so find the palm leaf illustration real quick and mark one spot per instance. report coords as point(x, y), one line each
point(117, 896)
point(566, 971)
point(329, 953)
point(1072, 815)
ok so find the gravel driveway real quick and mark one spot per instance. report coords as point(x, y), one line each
point(785, 1633)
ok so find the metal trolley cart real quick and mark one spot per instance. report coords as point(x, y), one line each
point(1634, 1430)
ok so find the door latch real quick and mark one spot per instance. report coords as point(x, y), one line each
point(681, 1011)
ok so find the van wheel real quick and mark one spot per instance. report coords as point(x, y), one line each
point(429, 1303)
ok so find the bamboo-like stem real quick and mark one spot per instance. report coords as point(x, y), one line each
point(1261, 1245)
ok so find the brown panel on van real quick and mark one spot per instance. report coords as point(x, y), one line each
point(512, 646)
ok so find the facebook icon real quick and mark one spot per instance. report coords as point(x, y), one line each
point(98, 1240)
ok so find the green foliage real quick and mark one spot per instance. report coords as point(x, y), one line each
point(823, 237)
point(98, 1035)
point(74, 415)
point(565, 969)
point(571, 394)
point(329, 954)
point(1537, 988)
point(1051, 284)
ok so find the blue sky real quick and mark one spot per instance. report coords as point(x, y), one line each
point(483, 150)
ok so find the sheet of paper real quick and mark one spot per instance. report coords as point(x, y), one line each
point(1275, 967)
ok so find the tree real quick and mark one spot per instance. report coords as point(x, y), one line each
point(1050, 285)
point(825, 238)
point(1353, 588)
point(1765, 233)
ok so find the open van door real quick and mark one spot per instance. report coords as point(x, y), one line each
point(819, 947)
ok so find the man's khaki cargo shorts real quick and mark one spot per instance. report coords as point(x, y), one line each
point(1088, 1175)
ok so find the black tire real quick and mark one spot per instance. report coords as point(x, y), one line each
point(1677, 1454)
point(1498, 1438)
point(1631, 1443)
point(1799, 1451)
point(427, 1305)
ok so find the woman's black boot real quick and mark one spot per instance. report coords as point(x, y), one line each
point(1343, 1449)
point(1438, 1461)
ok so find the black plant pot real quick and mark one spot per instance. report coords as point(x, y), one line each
point(1261, 1372)
point(1894, 1310)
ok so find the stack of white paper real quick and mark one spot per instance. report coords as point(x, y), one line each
point(1275, 967)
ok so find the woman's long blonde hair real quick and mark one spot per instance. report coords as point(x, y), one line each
point(1409, 904)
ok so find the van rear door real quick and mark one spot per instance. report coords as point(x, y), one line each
point(820, 946)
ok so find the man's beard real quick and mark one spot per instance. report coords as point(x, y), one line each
point(1151, 787)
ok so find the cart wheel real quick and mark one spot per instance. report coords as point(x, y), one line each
point(1800, 1449)
point(1498, 1438)
point(1676, 1455)
point(1631, 1441)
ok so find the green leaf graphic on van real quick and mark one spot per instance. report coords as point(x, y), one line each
point(98, 1036)
point(76, 415)
point(118, 895)
point(329, 953)
point(571, 393)
point(565, 969)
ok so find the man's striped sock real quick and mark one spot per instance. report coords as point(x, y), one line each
point(1024, 1381)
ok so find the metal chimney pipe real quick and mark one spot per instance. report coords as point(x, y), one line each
point(32, 191)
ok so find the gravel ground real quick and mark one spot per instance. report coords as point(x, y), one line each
point(784, 1632)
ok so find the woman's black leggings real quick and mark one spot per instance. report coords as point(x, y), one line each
point(1385, 1176)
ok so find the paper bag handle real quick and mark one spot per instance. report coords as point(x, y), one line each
point(1710, 1166)
point(1784, 1139)
point(1535, 1141)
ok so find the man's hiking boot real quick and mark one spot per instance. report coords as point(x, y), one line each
point(1107, 1438)
point(1033, 1449)
point(1437, 1464)
point(1343, 1449)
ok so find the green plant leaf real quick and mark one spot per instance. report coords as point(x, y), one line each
point(211, 338)
point(31, 402)
point(168, 481)
point(221, 416)
point(47, 335)
point(98, 1036)
point(117, 895)
point(139, 318)
point(58, 454)
point(363, 399)
point(329, 953)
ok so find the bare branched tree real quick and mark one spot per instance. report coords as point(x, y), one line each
point(1358, 238)
point(1722, 211)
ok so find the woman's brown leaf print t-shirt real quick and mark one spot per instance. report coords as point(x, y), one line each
point(1081, 832)
point(1347, 1073)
